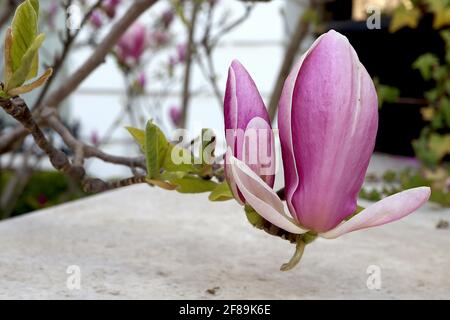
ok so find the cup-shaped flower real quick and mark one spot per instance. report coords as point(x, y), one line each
point(248, 131)
point(328, 120)
point(133, 43)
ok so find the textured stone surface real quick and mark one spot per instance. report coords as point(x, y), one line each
point(146, 243)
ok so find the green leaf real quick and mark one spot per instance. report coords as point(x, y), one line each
point(254, 218)
point(35, 4)
point(440, 145)
point(156, 148)
point(445, 107)
point(403, 17)
point(425, 64)
point(3, 95)
point(34, 67)
point(221, 193)
point(166, 162)
point(138, 136)
point(152, 147)
point(185, 166)
point(207, 146)
point(24, 31)
point(22, 73)
point(192, 184)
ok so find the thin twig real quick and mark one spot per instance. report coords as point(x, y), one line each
point(72, 82)
point(18, 109)
point(188, 65)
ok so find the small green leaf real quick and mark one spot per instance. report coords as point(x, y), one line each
point(22, 73)
point(35, 4)
point(152, 150)
point(24, 31)
point(207, 146)
point(403, 17)
point(3, 95)
point(425, 64)
point(221, 193)
point(138, 136)
point(166, 162)
point(176, 152)
point(192, 184)
point(156, 149)
point(254, 218)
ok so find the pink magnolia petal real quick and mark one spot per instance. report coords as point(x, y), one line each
point(230, 177)
point(387, 210)
point(242, 101)
point(333, 118)
point(258, 150)
point(285, 123)
point(261, 197)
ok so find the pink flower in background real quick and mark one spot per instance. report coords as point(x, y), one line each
point(248, 132)
point(95, 138)
point(142, 80)
point(181, 52)
point(110, 7)
point(132, 44)
point(328, 120)
point(167, 18)
point(42, 199)
point(159, 38)
point(172, 61)
point(175, 115)
point(96, 19)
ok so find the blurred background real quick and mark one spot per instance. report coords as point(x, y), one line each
point(171, 66)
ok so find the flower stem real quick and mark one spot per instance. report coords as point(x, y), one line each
point(299, 249)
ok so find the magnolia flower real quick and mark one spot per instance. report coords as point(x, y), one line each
point(132, 44)
point(167, 18)
point(328, 121)
point(159, 38)
point(110, 7)
point(142, 80)
point(175, 115)
point(181, 52)
point(96, 19)
point(248, 132)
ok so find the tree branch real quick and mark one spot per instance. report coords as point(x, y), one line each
point(18, 109)
point(189, 54)
point(94, 61)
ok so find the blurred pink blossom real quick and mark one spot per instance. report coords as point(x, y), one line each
point(110, 7)
point(182, 52)
point(167, 18)
point(132, 44)
point(141, 81)
point(42, 199)
point(95, 139)
point(175, 115)
point(96, 19)
point(159, 38)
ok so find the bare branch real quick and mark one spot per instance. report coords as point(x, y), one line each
point(18, 109)
point(190, 51)
point(83, 151)
point(94, 61)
